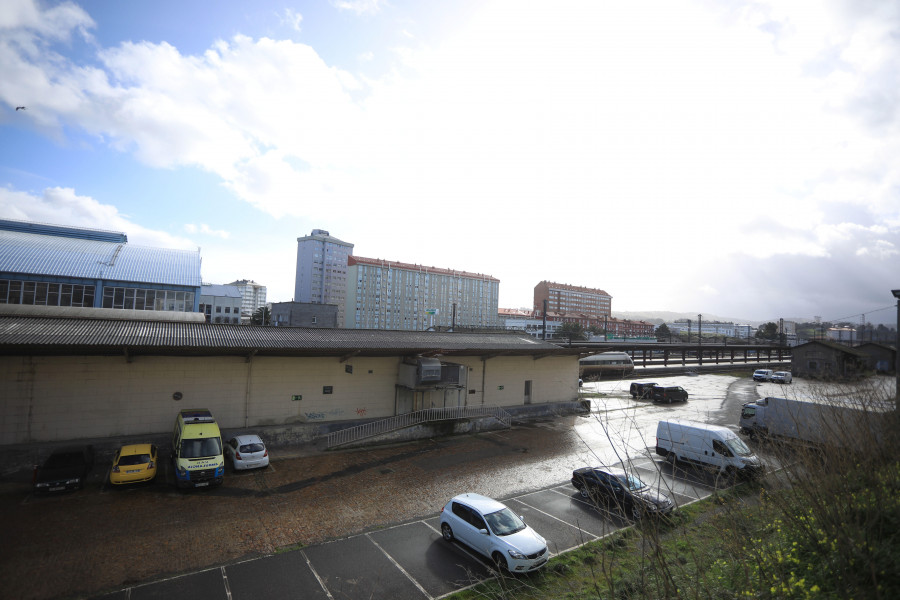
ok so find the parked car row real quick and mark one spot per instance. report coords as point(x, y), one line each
point(658, 393)
point(67, 468)
point(773, 376)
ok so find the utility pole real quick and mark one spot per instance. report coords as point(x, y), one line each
point(897, 351)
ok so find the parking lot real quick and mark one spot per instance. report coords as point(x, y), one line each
point(339, 523)
point(411, 560)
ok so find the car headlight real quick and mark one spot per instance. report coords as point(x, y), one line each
point(515, 554)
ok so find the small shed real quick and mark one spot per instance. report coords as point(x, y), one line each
point(828, 360)
point(881, 358)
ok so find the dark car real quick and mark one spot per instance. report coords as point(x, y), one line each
point(641, 390)
point(670, 394)
point(616, 489)
point(65, 469)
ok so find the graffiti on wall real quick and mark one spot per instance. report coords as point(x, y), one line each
point(325, 415)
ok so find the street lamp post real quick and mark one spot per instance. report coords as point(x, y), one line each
point(896, 294)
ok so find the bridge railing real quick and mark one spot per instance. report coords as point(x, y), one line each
point(382, 426)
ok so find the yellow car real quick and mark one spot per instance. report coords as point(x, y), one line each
point(133, 464)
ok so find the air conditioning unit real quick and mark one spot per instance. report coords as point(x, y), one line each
point(424, 371)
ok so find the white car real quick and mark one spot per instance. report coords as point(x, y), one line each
point(490, 528)
point(763, 375)
point(247, 452)
point(782, 377)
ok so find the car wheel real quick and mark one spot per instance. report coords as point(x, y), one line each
point(585, 493)
point(446, 532)
point(671, 458)
point(636, 513)
point(500, 561)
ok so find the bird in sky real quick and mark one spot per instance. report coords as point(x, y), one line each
point(20, 108)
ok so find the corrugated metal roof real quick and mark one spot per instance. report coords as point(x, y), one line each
point(45, 335)
point(50, 255)
point(221, 291)
point(63, 230)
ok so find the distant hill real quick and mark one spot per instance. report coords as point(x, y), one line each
point(657, 317)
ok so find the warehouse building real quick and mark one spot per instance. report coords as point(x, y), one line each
point(80, 378)
point(52, 265)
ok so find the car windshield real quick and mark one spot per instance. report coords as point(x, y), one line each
point(504, 522)
point(134, 459)
point(201, 447)
point(738, 446)
point(631, 482)
point(252, 448)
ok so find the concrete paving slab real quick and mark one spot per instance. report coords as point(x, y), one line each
point(560, 535)
point(565, 503)
point(438, 566)
point(205, 585)
point(272, 577)
point(355, 568)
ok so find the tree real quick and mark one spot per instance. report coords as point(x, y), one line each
point(571, 331)
point(663, 332)
point(261, 316)
point(767, 331)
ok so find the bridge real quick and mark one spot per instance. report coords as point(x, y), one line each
point(699, 357)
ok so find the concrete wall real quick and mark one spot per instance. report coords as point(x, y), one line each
point(46, 399)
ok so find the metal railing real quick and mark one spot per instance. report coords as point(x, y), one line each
point(352, 434)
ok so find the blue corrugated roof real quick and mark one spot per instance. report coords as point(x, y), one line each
point(51, 255)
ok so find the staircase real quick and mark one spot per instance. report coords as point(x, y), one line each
point(367, 430)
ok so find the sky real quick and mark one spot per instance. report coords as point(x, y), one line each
point(733, 158)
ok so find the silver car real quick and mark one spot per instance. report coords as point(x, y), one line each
point(490, 528)
point(782, 377)
point(247, 452)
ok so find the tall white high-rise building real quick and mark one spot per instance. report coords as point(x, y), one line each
point(253, 297)
point(322, 270)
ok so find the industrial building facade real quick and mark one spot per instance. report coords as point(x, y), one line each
point(75, 378)
point(385, 294)
point(52, 265)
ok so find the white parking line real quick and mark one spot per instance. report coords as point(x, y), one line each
point(227, 586)
point(555, 517)
point(316, 574)
point(402, 570)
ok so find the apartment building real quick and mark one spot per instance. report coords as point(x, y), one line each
point(384, 294)
point(253, 297)
point(564, 299)
point(322, 270)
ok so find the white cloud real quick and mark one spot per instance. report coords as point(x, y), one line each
point(590, 142)
point(205, 229)
point(360, 7)
point(292, 19)
point(62, 206)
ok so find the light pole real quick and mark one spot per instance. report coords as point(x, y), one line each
point(896, 294)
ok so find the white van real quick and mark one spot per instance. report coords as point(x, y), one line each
point(709, 446)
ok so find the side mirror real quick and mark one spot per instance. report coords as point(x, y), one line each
point(483, 531)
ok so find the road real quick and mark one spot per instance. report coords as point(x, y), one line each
point(341, 524)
